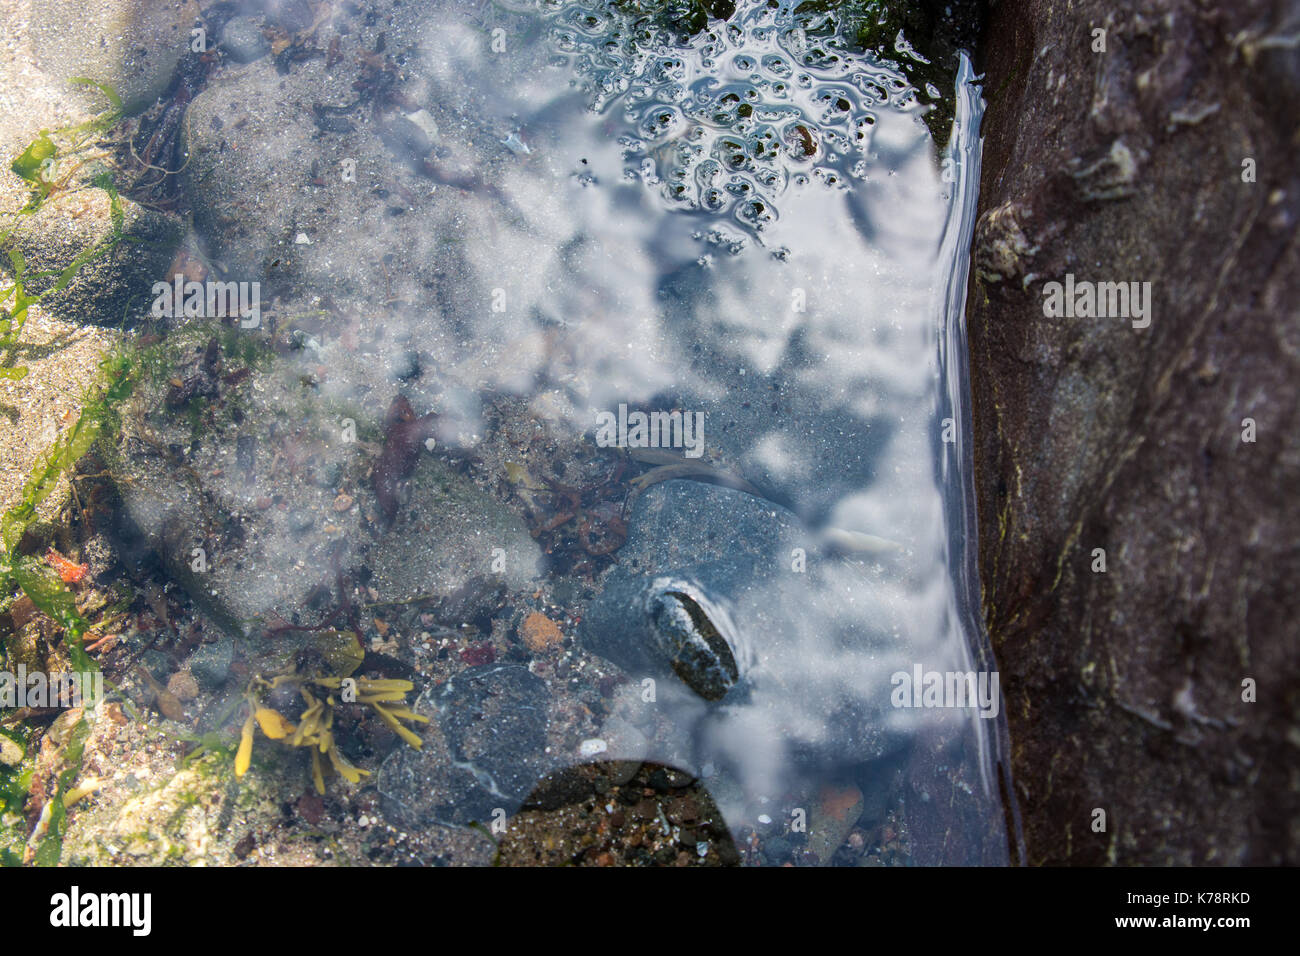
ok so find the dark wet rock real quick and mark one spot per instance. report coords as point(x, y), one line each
point(1127, 165)
point(664, 779)
point(243, 41)
point(488, 755)
point(106, 286)
point(495, 720)
point(475, 602)
point(562, 788)
point(210, 664)
point(690, 543)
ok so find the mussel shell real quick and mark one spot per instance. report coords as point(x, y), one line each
point(695, 635)
point(673, 624)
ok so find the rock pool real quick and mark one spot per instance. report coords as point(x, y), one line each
point(595, 371)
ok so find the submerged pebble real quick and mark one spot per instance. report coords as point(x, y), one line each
point(243, 41)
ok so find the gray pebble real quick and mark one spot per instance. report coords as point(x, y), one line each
point(301, 521)
point(210, 664)
point(242, 40)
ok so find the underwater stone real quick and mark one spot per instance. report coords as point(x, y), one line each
point(495, 720)
point(751, 657)
point(210, 664)
point(695, 635)
point(672, 624)
point(103, 288)
point(485, 753)
point(131, 45)
point(242, 40)
point(716, 541)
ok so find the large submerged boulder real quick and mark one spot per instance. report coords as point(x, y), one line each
point(1138, 551)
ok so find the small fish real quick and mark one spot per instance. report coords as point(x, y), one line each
point(671, 466)
point(847, 543)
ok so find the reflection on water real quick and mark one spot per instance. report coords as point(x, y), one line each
point(735, 256)
point(750, 224)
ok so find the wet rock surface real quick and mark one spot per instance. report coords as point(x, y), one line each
point(242, 39)
point(724, 541)
point(493, 735)
point(66, 334)
point(252, 491)
point(62, 359)
point(1167, 159)
point(105, 289)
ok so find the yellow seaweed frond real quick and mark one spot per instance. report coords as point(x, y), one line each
point(381, 697)
point(315, 727)
point(273, 723)
point(308, 724)
point(403, 713)
point(349, 772)
point(317, 777)
point(244, 756)
point(406, 734)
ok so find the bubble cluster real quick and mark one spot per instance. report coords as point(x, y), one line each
point(729, 118)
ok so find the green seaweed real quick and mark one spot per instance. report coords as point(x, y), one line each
point(50, 594)
point(13, 321)
point(118, 373)
point(46, 590)
point(15, 782)
point(49, 849)
point(33, 159)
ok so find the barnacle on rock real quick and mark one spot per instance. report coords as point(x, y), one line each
point(315, 727)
